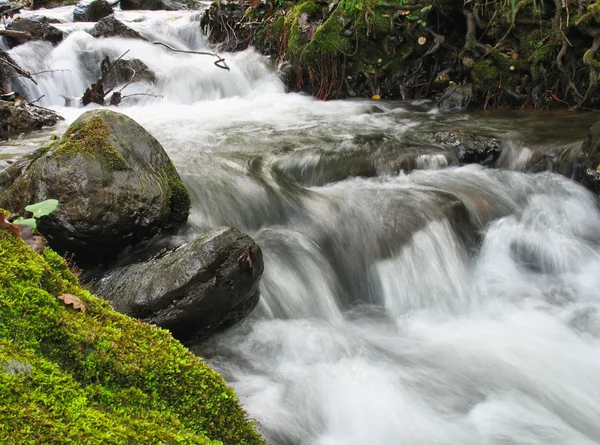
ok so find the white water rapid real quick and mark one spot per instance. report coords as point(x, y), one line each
point(441, 305)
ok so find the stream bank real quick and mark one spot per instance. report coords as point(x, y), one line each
point(526, 54)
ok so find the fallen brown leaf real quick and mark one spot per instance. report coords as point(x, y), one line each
point(73, 300)
point(9, 226)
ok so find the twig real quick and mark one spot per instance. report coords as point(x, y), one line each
point(19, 70)
point(31, 103)
point(130, 80)
point(114, 63)
point(219, 63)
point(142, 94)
point(35, 74)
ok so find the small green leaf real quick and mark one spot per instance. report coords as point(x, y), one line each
point(26, 222)
point(42, 208)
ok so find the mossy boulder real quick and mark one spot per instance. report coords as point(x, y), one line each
point(203, 286)
point(113, 180)
point(98, 377)
point(588, 171)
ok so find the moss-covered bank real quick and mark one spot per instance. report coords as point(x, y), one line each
point(98, 377)
point(527, 53)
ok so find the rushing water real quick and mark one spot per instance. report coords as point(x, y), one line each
point(405, 300)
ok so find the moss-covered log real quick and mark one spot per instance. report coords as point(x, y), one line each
point(98, 377)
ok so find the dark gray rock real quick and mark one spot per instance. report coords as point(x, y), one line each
point(113, 180)
point(123, 70)
point(37, 29)
point(18, 119)
point(470, 148)
point(193, 291)
point(110, 27)
point(91, 10)
point(151, 5)
point(456, 98)
point(588, 169)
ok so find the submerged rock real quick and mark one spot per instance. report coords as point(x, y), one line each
point(470, 148)
point(91, 11)
point(113, 180)
point(109, 26)
point(37, 29)
point(588, 171)
point(17, 119)
point(193, 291)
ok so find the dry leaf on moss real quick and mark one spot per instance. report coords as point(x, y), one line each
point(9, 226)
point(73, 300)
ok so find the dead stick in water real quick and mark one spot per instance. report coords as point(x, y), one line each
point(219, 63)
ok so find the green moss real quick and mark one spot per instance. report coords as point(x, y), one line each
point(98, 377)
point(178, 196)
point(91, 139)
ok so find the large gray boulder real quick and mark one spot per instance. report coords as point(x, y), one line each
point(109, 26)
point(22, 118)
point(36, 29)
point(91, 10)
point(113, 180)
point(588, 170)
point(193, 291)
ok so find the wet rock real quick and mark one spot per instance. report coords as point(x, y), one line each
point(18, 119)
point(470, 148)
point(588, 169)
point(456, 98)
point(123, 70)
point(91, 10)
point(113, 180)
point(37, 29)
point(109, 26)
point(151, 5)
point(200, 288)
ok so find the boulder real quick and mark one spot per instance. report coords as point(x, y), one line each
point(37, 30)
point(21, 118)
point(470, 148)
point(588, 169)
point(91, 10)
point(122, 71)
point(113, 180)
point(456, 97)
point(109, 26)
point(193, 291)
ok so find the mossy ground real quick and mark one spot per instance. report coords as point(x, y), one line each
point(98, 377)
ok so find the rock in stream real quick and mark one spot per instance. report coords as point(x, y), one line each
point(199, 288)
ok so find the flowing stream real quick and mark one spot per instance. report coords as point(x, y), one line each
point(405, 300)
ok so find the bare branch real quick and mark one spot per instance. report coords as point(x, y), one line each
point(219, 63)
